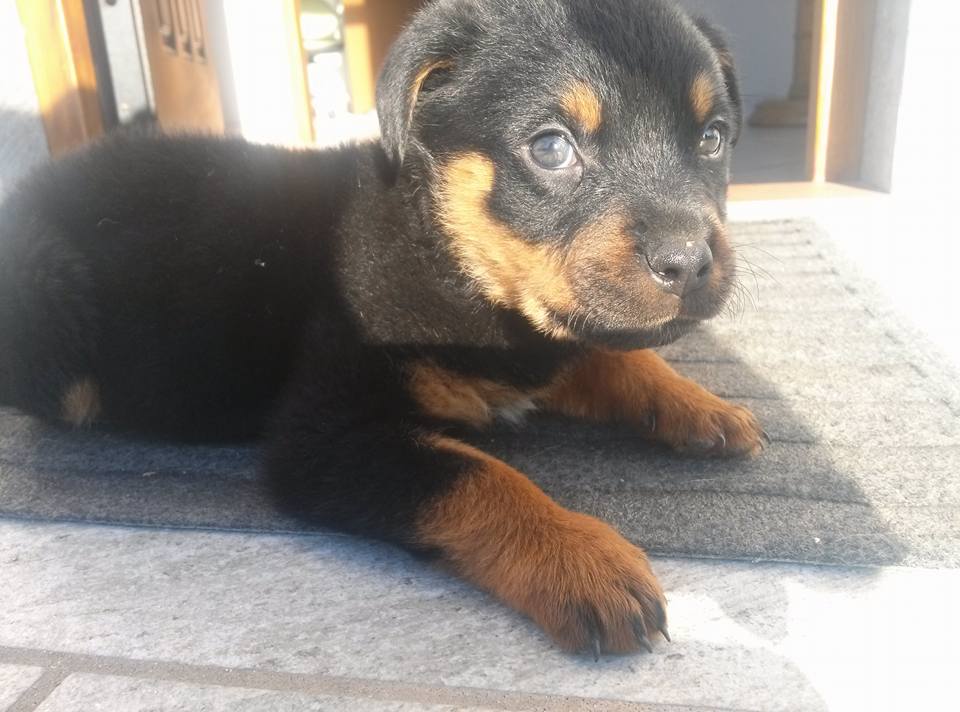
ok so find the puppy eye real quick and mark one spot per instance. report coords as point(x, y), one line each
point(711, 142)
point(553, 152)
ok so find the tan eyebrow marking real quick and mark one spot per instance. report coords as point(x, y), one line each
point(583, 105)
point(702, 94)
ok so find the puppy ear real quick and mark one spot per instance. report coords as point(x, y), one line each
point(718, 41)
point(424, 51)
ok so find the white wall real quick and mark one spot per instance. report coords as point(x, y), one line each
point(22, 141)
point(924, 161)
point(761, 34)
point(249, 42)
point(885, 92)
point(908, 241)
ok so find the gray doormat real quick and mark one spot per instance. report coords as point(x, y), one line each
point(864, 467)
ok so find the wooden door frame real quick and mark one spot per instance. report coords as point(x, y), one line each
point(840, 69)
point(64, 74)
point(62, 52)
point(63, 68)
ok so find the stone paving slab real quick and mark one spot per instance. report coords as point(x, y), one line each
point(15, 680)
point(746, 637)
point(100, 693)
point(83, 677)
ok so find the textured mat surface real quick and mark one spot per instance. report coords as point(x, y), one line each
point(864, 467)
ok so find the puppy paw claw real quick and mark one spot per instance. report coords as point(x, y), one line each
point(703, 424)
point(640, 631)
point(597, 594)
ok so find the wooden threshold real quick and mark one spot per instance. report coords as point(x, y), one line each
point(751, 192)
point(842, 61)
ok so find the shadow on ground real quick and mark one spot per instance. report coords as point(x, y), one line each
point(793, 503)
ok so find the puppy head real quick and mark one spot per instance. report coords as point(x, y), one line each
point(577, 157)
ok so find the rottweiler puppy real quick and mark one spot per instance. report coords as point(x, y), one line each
point(546, 204)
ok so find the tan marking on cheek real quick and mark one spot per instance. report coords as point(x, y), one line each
point(476, 401)
point(723, 254)
point(702, 95)
point(508, 270)
point(583, 106)
point(80, 405)
point(607, 245)
point(610, 255)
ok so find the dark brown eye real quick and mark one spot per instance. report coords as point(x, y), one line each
point(553, 152)
point(711, 142)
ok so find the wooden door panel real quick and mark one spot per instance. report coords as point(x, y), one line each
point(185, 82)
point(370, 27)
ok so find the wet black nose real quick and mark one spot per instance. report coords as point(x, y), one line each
point(682, 268)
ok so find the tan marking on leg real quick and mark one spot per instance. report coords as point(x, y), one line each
point(80, 405)
point(703, 93)
point(640, 388)
point(444, 394)
point(572, 574)
point(583, 106)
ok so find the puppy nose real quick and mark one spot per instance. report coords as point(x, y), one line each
point(682, 268)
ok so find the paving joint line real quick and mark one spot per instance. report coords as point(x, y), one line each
point(60, 665)
point(40, 690)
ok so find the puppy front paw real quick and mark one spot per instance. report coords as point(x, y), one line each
point(693, 420)
point(593, 590)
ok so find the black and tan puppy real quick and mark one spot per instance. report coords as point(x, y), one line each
point(546, 203)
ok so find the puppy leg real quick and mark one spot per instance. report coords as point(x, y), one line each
point(638, 387)
point(575, 576)
point(48, 325)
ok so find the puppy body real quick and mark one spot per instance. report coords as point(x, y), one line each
point(188, 300)
point(353, 304)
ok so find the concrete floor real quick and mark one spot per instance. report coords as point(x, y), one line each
point(766, 155)
point(108, 618)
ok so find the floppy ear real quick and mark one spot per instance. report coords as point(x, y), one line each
point(718, 41)
point(423, 50)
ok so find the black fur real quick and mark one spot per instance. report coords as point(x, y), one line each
point(216, 289)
